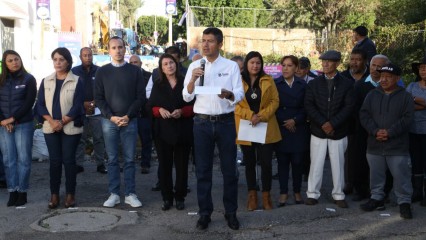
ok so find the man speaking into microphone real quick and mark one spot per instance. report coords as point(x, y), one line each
point(214, 124)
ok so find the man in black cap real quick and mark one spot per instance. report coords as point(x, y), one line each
point(304, 70)
point(360, 37)
point(329, 103)
point(386, 115)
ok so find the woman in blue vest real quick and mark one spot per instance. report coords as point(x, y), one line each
point(60, 103)
point(18, 90)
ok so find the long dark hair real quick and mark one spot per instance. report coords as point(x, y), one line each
point(163, 77)
point(245, 74)
point(5, 70)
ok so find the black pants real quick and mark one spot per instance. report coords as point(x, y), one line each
point(358, 169)
point(167, 155)
point(62, 149)
point(261, 153)
point(286, 159)
point(418, 153)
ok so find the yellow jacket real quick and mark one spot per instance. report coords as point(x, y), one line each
point(269, 103)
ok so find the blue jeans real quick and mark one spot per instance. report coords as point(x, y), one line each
point(2, 174)
point(92, 125)
point(144, 131)
point(206, 134)
point(127, 136)
point(62, 148)
point(16, 147)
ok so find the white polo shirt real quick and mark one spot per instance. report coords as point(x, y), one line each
point(222, 73)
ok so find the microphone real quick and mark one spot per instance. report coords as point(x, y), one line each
point(203, 66)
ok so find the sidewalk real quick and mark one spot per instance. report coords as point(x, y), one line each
point(323, 221)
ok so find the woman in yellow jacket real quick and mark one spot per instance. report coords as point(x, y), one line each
point(259, 105)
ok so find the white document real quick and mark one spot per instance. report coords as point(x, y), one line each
point(97, 112)
point(207, 90)
point(247, 132)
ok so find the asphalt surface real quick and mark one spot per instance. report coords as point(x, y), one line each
point(91, 221)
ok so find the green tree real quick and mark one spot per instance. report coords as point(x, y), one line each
point(391, 12)
point(146, 28)
point(127, 10)
point(320, 14)
point(219, 13)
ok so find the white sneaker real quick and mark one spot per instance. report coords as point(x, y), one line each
point(133, 200)
point(113, 200)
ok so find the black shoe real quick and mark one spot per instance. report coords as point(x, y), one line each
point(203, 222)
point(359, 197)
point(341, 203)
point(156, 187)
point(232, 221)
point(13, 197)
point(275, 177)
point(311, 201)
point(405, 211)
point(423, 202)
point(102, 169)
point(80, 169)
point(3, 184)
point(144, 170)
point(180, 205)
point(167, 205)
point(22, 199)
point(372, 205)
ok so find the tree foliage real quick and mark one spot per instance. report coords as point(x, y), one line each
point(323, 14)
point(146, 28)
point(127, 10)
point(219, 13)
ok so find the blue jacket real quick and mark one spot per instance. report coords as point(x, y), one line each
point(88, 80)
point(17, 96)
point(292, 107)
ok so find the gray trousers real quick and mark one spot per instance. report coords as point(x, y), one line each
point(93, 126)
point(400, 167)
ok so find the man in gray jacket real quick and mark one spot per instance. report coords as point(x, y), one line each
point(386, 115)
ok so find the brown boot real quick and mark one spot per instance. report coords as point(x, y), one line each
point(54, 201)
point(267, 202)
point(70, 201)
point(252, 200)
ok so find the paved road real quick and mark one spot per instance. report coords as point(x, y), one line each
point(149, 222)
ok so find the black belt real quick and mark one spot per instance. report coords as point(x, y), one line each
point(220, 117)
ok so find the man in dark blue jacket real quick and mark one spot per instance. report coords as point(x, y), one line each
point(360, 37)
point(92, 123)
point(386, 115)
point(328, 103)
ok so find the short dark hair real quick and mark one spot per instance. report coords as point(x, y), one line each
point(173, 50)
point(292, 58)
point(361, 52)
point(361, 30)
point(115, 38)
point(64, 52)
point(237, 58)
point(85, 48)
point(245, 74)
point(216, 32)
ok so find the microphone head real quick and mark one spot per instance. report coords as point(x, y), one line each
point(203, 61)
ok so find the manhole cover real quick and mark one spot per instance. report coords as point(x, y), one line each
point(84, 219)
